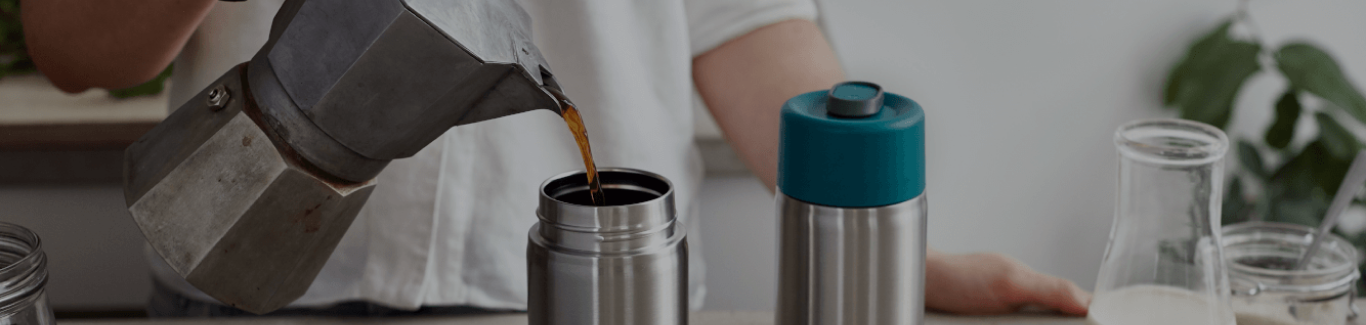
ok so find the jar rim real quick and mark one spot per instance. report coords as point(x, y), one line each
point(1341, 268)
point(35, 245)
point(1171, 141)
point(27, 274)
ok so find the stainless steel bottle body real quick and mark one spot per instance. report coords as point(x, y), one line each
point(608, 265)
point(851, 265)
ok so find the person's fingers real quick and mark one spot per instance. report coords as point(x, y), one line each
point(1051, 292)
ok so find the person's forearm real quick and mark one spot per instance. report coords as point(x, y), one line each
point(79, 44)
point(744, 83)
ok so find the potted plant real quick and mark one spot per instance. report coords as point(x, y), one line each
point(1296, 181)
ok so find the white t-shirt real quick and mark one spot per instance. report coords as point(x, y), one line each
point(449, 225)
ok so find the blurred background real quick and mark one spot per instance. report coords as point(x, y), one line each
point(1021, 97)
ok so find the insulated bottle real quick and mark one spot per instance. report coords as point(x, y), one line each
point(625, 262)
point(851, 208)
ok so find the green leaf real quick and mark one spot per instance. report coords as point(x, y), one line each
point(1262, 206)
point(1251, 160)
point(1305, 212)
point(1313, 70)
point(1313, 168)
point(1304, 207)
point(1287, 113)
point(151, 87)
point(1235, 208)
point(13, 56)
point(1341, 144)
point(1183, 67)
point(1204, 85)
point(1329, 174)
point(1174, 79)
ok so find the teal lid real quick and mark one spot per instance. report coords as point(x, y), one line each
point(852, 146)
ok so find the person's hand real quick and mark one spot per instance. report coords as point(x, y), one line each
point(990, 283)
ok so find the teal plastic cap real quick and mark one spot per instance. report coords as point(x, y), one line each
point(852, 146)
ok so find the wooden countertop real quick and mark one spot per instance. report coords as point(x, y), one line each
point(707, 318)
point(36, 116)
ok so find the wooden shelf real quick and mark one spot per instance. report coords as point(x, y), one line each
point(71, 136)
point(36, 116)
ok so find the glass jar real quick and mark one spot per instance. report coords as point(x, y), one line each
point(1164, 264)
point(1265, 290)
point(23, 274)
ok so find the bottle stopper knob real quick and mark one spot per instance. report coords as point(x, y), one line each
point(854, 99)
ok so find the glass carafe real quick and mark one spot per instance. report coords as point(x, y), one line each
point(1164, 264)
point(23, 273)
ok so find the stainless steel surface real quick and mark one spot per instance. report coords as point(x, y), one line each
point(851, 265)
point(385, 78)
point(148, 160)
point(218, 98)
point(23, 278)
point(231, 208)
point(607, 265)
point(298, 132)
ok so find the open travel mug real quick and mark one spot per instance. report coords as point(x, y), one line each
point(851, 208)
point(625, 262)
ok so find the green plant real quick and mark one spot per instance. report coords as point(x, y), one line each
point(151, 87)
point(1299, 180)
point(14, 59)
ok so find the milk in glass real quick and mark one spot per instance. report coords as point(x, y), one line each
point(1155, 304)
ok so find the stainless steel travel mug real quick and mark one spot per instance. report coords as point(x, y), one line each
point(851, 208)
point(625, 262)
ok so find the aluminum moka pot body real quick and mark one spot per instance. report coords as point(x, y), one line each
point(246, 189)
point(851, 208)
point(623, 263)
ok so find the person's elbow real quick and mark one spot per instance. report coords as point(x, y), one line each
point(74, 59)
point(74, 70)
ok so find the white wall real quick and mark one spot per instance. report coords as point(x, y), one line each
point(1021, 99)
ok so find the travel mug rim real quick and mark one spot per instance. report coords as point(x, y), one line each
point(633, 217)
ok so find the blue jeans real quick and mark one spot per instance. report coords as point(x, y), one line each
point(166, 303)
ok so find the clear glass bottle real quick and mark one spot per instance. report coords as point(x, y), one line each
point(23, 274)
point(1164, 264)
point(1267, 292)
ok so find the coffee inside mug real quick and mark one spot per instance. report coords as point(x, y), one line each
point(619, 188)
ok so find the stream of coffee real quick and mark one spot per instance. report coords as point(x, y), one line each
point(575, 123)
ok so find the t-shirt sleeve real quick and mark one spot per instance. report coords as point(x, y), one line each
point(713, 22)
